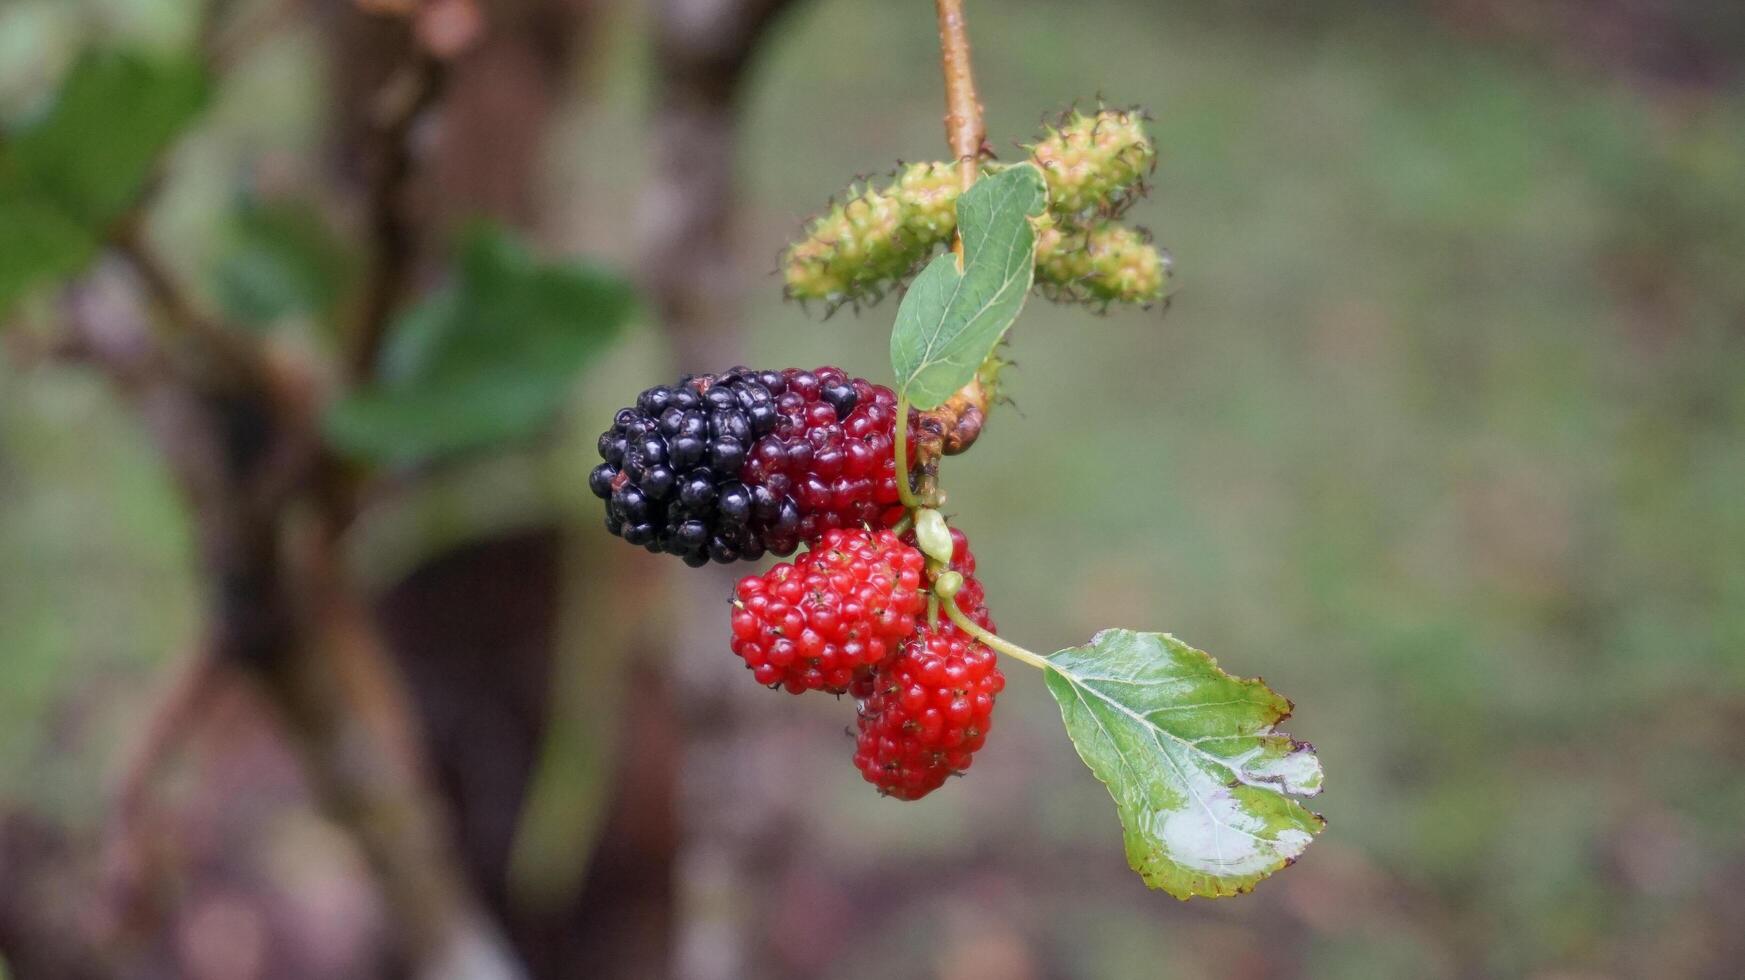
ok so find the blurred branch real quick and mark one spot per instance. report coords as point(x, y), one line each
point(170, 721)
point(237, 425)
point(702, 50)
point(393, 238)
point(360, 745)
point(131, 835)
point(284, 611)
point(226, 45)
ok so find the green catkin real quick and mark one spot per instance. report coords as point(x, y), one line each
point(1095, 164)
point(1107, 263)
point(862, 246)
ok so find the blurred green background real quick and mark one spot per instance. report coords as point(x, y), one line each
point(1443, 434)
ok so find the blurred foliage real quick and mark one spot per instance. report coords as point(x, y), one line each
point(66, 176)
point(282, 260)
point(486, 360)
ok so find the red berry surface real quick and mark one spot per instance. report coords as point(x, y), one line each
point(832, 451)
point(925, 712)
point(731, 466)
point(927, 709)
point(842, 607)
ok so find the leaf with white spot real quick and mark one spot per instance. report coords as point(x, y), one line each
point(1202, 778)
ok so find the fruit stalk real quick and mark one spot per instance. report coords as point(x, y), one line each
point(965, 131)
point(953, 427)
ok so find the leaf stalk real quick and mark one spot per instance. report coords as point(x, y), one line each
point(1001, 644)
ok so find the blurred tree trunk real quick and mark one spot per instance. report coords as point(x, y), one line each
point(476, 628)
point(703, 50)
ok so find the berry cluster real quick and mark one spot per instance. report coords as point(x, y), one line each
point(742, 463)
point(841, 607)
point(845, 617)
point(730, 466)
point(926, 711)
point(1095, 166)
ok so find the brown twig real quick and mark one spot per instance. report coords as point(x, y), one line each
point(173, 715)
point(953, 427)
point(393, 235)
point(173, 722)
point(965, 132)
point(221, 350)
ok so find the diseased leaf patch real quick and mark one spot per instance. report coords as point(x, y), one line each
point(1201, 776)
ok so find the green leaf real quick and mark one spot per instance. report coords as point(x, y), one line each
point(282, 261)
point(949, 321)
point(37, 241)
point(70, 173)
point(440, 421)
point(487, 360)
point(1202, 779)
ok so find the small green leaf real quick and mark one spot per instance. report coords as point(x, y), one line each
point(440, 421)
point(70, 173)
point(949, 321)
point(282, 261)
point(37, 241)
point(1201, 777)
point(487, 360)
point(115, 113)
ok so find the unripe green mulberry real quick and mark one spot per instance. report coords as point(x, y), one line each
point(1095, 164)
point(1108, 263)
point(875, 238)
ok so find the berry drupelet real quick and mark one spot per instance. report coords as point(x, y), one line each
point(729, 466)
point(926, 711)
point(838, 609)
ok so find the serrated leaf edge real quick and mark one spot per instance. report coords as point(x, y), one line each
point(1219, 887)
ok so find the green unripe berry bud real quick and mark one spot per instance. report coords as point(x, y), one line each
point(1095, 164)
point(932, 535)
point(1109, 263)
point(873, 240)
point(947, 585)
